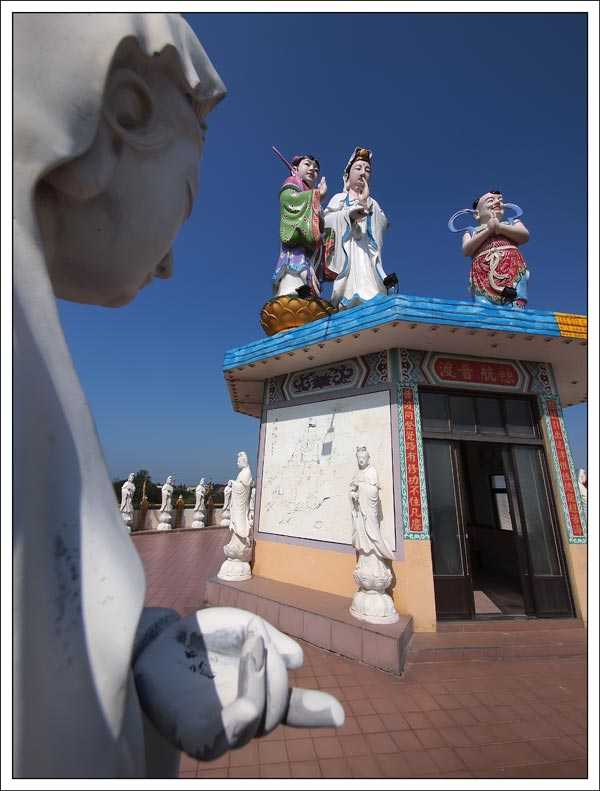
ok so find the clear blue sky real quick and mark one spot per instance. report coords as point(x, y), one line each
point(451, 104)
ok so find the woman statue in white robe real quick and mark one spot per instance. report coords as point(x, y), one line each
point(109, 120)
point(370, 603)
point(359, 224)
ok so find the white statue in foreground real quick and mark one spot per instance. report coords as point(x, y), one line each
point(109, 122)
point(127, 492)
point(200, 505)
point(371, 602)
point(239, 549)
point(359, 224)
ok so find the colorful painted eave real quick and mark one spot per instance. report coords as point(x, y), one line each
point(417, 323)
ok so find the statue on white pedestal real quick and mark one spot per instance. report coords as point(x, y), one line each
point(109, 121)
point(127, 492)
point(226, 513)
point(166, 505)
point(370, 603)
point(200, 506)
point(359, 225)
point(239, 549)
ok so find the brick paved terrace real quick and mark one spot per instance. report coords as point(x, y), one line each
point(465, 707)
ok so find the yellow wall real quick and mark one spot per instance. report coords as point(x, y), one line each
point(576, 555)
point(331, 571)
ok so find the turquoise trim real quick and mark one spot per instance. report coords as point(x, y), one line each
point(396, 307)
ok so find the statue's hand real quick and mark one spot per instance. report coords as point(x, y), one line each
point(364, 194)
point(493, 224)
point(358, 212)
point(214, 680)
point(323, 187)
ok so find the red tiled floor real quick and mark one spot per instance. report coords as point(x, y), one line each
point(301, 750)
point(334, 767)
point(329, 747)
point(244, 771)
point(430, 737)
point(371, 723)
point(354, 745)
point(245, 756)
point(273, 752)
point(516, 717)
point(381, 743)
point(306, 769)
point(363, 766)
point(406, 740)
point(275, 770)
point(417, 719)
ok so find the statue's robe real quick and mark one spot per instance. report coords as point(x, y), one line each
point(305, 249)
point(356, 262)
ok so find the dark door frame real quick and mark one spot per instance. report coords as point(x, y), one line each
point(462, 586)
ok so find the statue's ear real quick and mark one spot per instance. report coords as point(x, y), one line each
point(128, 106)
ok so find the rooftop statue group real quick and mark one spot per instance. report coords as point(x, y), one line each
point(342, 242)
point(105, 109)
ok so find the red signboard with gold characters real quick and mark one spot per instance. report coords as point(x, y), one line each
point(476, 372)
point(412, 462)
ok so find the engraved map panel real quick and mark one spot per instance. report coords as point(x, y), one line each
point(310, 459)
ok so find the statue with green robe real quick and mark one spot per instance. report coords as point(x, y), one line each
point(305, 249)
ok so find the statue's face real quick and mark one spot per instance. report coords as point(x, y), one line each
point(488, 205)
point(362, 456)
point(308, 171)
point(104, 249)
point(359, 175)
point(242, 460)
point(131, 477)
point(170, 479)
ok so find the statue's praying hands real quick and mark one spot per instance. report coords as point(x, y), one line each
point(214, 680)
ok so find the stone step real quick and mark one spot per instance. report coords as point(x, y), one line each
point(506, 640)
point(319, 618)
point(509, 624)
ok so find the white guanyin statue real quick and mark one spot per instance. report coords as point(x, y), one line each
point(372, 575)
point(238, 551)
point(359, 225)
point(127, 492)
point(200, 505)
point(165, 511)
point(109, 124)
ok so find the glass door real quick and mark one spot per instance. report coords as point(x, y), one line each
point(542, 558)
point(451, 568)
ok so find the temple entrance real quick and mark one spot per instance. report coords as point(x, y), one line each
point(495, 546)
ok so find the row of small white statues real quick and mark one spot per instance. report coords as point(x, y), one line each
point(166, 507)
